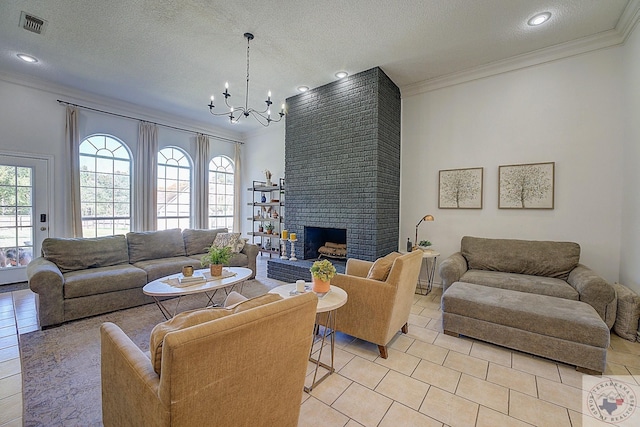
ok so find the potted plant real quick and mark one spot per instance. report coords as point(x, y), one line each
point(269, 227)
point(321, 273)
point(424, 244)
point(215, 258)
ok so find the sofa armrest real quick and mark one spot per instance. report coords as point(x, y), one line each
point(595, 291)
point(251, 251)
point(129, 383)
point(46, 280)
point(357, 267)
point(451, 269)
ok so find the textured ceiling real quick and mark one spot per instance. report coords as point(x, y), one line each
point(172, 55)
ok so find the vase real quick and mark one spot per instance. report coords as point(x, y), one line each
point(215, 270)
point(320, 286)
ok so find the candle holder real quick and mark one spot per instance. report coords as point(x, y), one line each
point(293, 250)
point(283, 249)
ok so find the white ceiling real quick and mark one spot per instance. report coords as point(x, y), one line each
point(171, 55)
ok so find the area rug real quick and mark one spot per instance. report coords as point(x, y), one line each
point(61, 365)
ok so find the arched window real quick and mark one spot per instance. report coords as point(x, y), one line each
point(174, 189)
point(221, 193)
point(105, 186)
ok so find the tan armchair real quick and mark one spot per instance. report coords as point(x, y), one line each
point(244, 369)
point(377, 310)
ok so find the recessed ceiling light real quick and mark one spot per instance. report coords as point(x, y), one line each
point(539, 19)
point(303, 88)
point(27, 58)
point(341, 74)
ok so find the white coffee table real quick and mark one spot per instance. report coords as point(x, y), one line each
point(328, 304)
point(169, 286)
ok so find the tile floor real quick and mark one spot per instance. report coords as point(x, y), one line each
point(429, 379)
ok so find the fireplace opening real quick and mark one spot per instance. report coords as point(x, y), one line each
point(332, 240)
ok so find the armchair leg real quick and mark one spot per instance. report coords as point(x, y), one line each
point(405, 328)
point(383, 351)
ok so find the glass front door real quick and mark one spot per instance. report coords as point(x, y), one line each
point(24, 214)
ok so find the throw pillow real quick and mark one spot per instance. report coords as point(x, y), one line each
point(382, 266)
point(180, 321)
point(626, 325)
point(232, 240)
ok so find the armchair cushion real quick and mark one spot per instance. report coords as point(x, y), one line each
point(382, 266)
point(180, 321)
point(195, 317)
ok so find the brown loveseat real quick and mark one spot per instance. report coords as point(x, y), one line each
point(537, 267)
point(76, 278)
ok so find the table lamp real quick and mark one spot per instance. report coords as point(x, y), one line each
point(424, 218)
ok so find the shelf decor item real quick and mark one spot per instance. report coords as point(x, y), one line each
point(216, 257)
point(267, 175)
point(321, 273)
point(269, 227)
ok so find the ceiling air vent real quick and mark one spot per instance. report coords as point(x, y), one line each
point(32, 23)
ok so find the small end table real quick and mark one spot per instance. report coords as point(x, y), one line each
point(430, 258)
point(329, 303)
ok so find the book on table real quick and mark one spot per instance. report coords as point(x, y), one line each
point(191, 280)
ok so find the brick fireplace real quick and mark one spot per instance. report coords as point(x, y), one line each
point(342, 163)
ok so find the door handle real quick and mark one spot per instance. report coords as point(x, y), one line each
point(43, 228)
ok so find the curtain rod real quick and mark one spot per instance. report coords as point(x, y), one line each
point(148, 121)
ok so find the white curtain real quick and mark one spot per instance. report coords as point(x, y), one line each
point(237, 190)
point(201, 184)
point(72, 139)
point(146, 178)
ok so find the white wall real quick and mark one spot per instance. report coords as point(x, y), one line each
point(568, 112)
point(263, 149)
point(33, 122)
point(630, 244)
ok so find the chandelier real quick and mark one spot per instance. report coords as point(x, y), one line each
point(263, 117)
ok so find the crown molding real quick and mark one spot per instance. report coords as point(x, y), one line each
point(603, 40)
point(75, 96)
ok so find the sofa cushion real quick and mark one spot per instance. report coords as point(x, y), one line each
point(198, 241)
point(231, 240)
point(574, 321)
point(535, 258)
point(155, 244)
point(79, 254)
point(101, 280)
point(382, 266)
point(157, 268)
point(522, 282)
point(626, 325)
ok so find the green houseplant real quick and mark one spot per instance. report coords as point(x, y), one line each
point(269, 227)
point(424, 243)
point(321, 273)
point(216, 257)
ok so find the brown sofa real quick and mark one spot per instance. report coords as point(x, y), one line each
point(76, 278)
point(241, 369)
point(538, 267)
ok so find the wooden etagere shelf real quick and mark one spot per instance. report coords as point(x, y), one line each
point(268, 211)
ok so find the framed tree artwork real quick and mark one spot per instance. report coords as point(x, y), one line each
point(527, 186)
point(460, 188)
